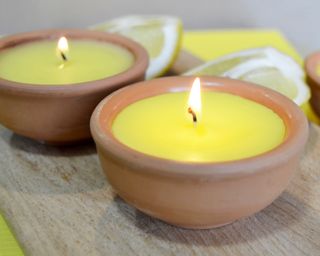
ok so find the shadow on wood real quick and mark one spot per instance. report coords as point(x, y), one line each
point(280, 215)
point(34, 168)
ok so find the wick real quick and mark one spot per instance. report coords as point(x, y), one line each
point(194, 116)
point(64, 57)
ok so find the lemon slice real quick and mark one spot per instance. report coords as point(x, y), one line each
point(160, 35)
point(264, 66)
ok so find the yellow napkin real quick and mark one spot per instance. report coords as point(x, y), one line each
point(8, 244)
point(210, 44)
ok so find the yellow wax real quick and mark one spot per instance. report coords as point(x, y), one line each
point(230, 128)
point(39, 63)
point(318, 70)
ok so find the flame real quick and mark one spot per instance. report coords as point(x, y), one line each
point(63, 49)
point(63, 45)
point(195, 97)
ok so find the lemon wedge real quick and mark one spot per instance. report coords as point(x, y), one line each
point(160, 35)
point(264, 66)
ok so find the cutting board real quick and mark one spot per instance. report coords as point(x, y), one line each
point(58, 202)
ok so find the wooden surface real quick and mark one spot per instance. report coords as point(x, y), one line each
point(184, 62)
point(58, 202)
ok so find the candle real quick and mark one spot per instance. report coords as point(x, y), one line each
point(230, 128)
point(312, 68)
point(79, 61)
point(51, 80)
point(199, 173)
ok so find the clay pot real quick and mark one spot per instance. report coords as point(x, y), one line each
point(313, 79)
point(198, 195)
point(60, 114)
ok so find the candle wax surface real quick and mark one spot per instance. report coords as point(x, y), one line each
point(39, 62)
point(318, 69)
point(230, 128)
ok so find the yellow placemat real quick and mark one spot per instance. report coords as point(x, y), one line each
point(211, 44)
point(8, 244)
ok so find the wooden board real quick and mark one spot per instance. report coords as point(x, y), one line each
point(58, 202)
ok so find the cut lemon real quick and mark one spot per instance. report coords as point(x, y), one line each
point(263, 66)
point(160, 35)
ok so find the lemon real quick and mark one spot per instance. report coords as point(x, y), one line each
point(264, 66)
point(160, 35)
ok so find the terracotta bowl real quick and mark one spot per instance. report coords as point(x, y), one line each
point(60, 114)
point(313, 79)
point(198, 195)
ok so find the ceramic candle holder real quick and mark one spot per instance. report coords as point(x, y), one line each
point(313, 79)
point(198, 195)
point(60, 114)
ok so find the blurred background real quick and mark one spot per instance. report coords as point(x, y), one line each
point(297, 20)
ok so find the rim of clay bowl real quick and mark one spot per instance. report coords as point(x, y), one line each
point(310, 66)
point(294, 119)
point(66, 90)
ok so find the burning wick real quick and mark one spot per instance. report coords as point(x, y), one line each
point(64, 57)
point(194, 104)
point(194, 116)
point(63, 47)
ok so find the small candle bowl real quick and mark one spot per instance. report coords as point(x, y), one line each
point(313, 79)
point(60, 114)
point(198, 195)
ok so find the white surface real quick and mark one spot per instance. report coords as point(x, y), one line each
point(297, 19)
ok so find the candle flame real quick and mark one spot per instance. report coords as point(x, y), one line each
point(63, 44)
point(194, 102)
point(63, 47)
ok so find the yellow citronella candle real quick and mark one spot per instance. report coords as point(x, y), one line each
point(230, 128)
point(318, 69)
point(37, 62)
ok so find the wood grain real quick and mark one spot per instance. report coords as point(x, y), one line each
point(58, 202)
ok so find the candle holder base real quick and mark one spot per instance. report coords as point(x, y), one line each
point(198, 195)
point(60, 114)
point(312, 67)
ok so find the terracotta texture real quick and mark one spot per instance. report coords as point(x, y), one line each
point(61, 114)
point(311, 63)
point(197, 195)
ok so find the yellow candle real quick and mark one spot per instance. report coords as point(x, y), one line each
point(231, 128)
point(39, 63)
point(318, 69)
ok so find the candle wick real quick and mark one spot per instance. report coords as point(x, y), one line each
point(64, 57)
point(194, 116)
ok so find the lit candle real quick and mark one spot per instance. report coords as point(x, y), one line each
point(234, 162)
point(231, 127)
point(36, 62)
point(49, 85)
